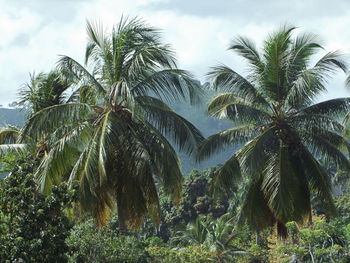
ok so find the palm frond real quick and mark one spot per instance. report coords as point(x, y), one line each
point(95, 197)
point(246, 48)
point(304, 89)
point(318, 179)
point(331, 62)
point(229, 106)
point(230, 137)
point(165, 163)
point(62, 156)
point(286, 192)
point(51, 118)
point(255, 210)
point(149, 56)
point(226, 178)
point(181, 131)
point(120, 94)
point(73, 70)
point(95, 34)
point(301, 51)
point(12, 148)
point(254, 154)
point(170, 84)
point(276, 51)
point(326, 146)
point(227, 80)
point(9, 134)
point(331, 108)
point(316, 122)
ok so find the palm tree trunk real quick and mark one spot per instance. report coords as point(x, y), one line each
point(310, 217)
point(121, 217)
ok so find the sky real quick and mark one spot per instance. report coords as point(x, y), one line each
point(35, 32)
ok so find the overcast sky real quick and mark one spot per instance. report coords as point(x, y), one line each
point(34, 32)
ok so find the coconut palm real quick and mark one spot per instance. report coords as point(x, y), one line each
point(113, 137)
point(216, 235)
point(43, 90)
point(221, 233)
point(281, 131)
point(195, 233)
point(8, 140)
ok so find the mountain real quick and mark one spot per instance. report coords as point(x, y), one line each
point(11, 116)
point(207, 125)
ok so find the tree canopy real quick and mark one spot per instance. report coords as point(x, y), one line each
point(281, 129)
point(112, 135)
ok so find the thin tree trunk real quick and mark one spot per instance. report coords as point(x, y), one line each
point(312, 256)
point(310, 218)
point(257, 237)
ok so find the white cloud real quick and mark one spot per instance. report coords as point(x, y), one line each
point(35, 32)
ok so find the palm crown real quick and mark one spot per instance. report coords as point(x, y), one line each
point(282, 131)
point(44, 90)
point(111, 136)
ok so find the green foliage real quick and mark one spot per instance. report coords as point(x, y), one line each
point(111, 136)
point(215, 235)
point(87, 243)
point(196, 200)
point(33, 226)
point(167, 254)
point(255, 254)
point(322, 242)
point(281, 132)
point(343, 207)
point(117, 137)
point(42, 91)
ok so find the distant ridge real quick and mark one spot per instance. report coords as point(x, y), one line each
point(11, 116)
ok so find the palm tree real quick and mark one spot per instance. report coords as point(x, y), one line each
point(221, 234)
point(216, 235)
point(280, 129)
point(42, 91)
point(8, 140)
point(195, 233)
point(111, 137)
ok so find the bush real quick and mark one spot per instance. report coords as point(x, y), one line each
point(33, 226)
point(167, 254)
point(87, 243)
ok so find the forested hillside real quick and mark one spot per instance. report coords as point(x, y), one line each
point(208, 126)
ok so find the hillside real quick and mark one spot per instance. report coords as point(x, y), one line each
point(11, 116)
point(208, 126)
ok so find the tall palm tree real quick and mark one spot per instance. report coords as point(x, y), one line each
point(112, 138)
point(42, 91)
point(280, 129)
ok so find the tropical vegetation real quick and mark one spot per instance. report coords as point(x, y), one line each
point(284, 132)
point(94, 174)
point(110, 134)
